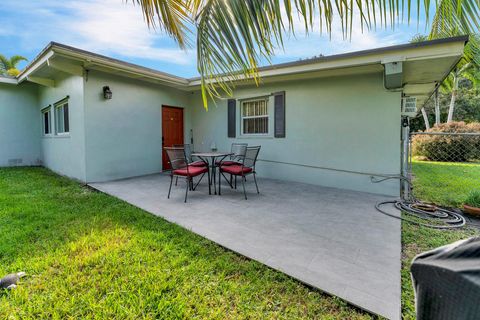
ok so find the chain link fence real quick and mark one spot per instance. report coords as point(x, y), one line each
point(445, 146)
point(444, 166)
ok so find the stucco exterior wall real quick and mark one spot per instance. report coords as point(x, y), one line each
point(65, 154)
point(338, 131)
point(124, 134)
point(19, 125)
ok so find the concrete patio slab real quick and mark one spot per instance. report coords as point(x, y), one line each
point(328, 238)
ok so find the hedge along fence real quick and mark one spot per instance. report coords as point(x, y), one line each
point(452, 142)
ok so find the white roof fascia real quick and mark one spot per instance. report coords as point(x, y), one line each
point(37, 64)
point(92, 60)
point(409, 52)
point(440, 50)
point(8, 80)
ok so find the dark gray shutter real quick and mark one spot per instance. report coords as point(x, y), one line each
point(279, 114)
point(232, 130)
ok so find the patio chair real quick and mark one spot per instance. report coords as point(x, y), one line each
point(247, 167)
point(188, 154)
point(238, 153)
point(181, 169)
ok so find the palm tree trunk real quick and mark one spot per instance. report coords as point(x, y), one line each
point(453, 99)
point(437, 108)
point(425, 119)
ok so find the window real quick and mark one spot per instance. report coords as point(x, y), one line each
point(62, 124)
point(254, 117)
point(47, 121)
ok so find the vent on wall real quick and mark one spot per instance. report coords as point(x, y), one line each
point(409, 106)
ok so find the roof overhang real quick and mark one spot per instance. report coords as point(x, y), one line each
point(58, 57)
point(8, 80)
point(414, 68)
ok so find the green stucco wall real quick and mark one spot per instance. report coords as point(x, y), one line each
point(124, 134)
point(65, 154)
point(336, 129)
point(339, 130)
point(19, 125)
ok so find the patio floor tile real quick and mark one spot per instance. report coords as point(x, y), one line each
point(331, 239)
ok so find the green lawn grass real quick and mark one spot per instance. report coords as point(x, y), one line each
point(89, 255)
point(446, 184)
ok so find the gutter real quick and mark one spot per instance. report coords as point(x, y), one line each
point(90, 58)
point(94, 58)
point(357, 54)
point(331, 62)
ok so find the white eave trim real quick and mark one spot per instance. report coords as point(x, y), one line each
point(37, 64)
point(105, 62)
point(410, 54)
point(8, 80)
point(355, 59)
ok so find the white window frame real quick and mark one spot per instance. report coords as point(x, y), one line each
point(47, 110)
point(268, 116)
point(56, 108)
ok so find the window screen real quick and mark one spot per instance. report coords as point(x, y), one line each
point(255, 117)
point(47, 121)
point(61, 118)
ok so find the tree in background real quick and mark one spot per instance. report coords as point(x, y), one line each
point(467, 106)
point(233, 37)
point(9, 66)
point(454, 18)
point(463, 70)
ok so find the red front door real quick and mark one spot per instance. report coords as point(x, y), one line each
point(172, 130)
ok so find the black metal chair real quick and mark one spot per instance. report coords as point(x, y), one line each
point(181, 168)
point(188, 154)
point(238, 153)
point(244, 169)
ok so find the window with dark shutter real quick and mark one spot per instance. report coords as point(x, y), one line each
point(279, 114)
point(232, 130)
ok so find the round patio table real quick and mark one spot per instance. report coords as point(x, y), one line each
point(212, 158)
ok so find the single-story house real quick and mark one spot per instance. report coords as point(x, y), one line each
point(332, 120)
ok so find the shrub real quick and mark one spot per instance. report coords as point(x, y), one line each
point(454, 148)
point(473, 199)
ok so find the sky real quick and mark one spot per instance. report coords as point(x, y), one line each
point(116, 28)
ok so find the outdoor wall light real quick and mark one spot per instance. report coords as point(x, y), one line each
point(107, 93)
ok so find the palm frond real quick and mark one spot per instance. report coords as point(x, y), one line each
point(459, 17)
point(15, 60)
point(171, 16)
point(418, 38)
point(455, 17)
point(4, 64)
point(233, 37)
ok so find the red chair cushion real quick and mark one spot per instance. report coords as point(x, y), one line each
point(197, 164)
point(192, 171)
point(228, 163)
point(236, 170)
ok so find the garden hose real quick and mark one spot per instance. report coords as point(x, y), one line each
point(436, 217)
